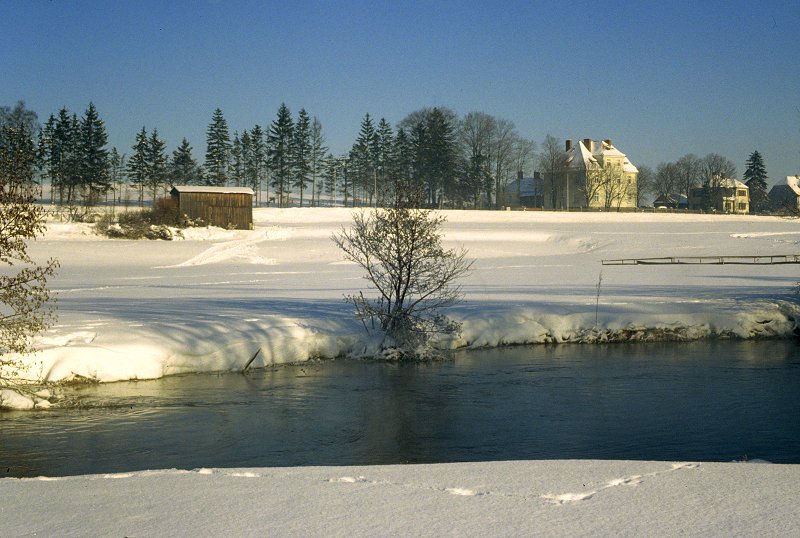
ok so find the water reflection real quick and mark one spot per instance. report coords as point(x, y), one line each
point(697, 401)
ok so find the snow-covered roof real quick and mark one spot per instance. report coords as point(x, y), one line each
point(528, 186)
point(794, 183)
point(729, 183)
point(580, 156)
point(217, 190)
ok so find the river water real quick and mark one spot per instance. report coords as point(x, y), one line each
point(710, 401)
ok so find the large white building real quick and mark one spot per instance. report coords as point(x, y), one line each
point(594, 174)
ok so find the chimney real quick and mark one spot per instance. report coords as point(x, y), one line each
point(589, 143)
point(607, 142)
point(569, 144)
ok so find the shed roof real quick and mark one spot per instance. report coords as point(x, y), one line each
point(214, 190)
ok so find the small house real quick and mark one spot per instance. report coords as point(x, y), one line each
point(226, 207)
point(671, 201)
point(724, 195)
point(524, 192)
point(786, 197)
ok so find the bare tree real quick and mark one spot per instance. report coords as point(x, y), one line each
point(25, 306)
point(715, 169)
point(552, 162)
point(400, 249)
point(667, 179)
point(688, 171)
point(502, 147)
point(475, 136)
point(645, 185)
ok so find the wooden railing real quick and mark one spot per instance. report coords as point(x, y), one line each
point(709, 260)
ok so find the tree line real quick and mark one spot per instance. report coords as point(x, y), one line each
point(458, 161)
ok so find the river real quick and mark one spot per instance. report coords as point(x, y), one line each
point(710, 401)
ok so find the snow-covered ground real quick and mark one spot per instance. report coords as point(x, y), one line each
point(526, 498)
point(145, 309)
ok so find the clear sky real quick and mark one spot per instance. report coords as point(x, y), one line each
point(660, 79)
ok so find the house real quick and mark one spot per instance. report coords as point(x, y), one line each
point(227, 207)
point(671, 201)
point(723, 195)
point(786, 197)
point(524, 191)
point(593, 174)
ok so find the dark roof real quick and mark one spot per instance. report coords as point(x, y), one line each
point(215, 190)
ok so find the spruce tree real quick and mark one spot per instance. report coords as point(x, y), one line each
point(257, 164)
point(755, 177)
point(316, 158)
point(361, 167)
point(384, 144)
point(94, 164)
point(236, 168)
point(218, 152)
point(301, 153)
point(183, 168)
point(440, 158)
point(73, 158)
point(117, 176)
point(157, 164)
point(330, 177)
point(138, 168)
point(279, 140)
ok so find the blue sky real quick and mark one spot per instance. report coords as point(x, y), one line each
point(659, 78)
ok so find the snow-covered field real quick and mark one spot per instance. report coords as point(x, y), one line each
point(144, 309)
point(527, 498)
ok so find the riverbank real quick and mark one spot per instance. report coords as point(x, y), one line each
point(515, 498)
point(208, 302)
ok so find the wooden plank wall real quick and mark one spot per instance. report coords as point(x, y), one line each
point(226, 210)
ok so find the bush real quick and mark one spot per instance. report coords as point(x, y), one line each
point(153, 223)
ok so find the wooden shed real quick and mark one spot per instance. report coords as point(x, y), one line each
point(226, 207)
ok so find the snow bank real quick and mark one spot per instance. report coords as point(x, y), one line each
point(515, 498)
point(144, 309)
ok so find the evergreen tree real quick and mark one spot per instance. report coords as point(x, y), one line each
point(73, 160)
point(384, 144)
point(402, 164)
point(279, 140)
point(361, 167)
point(218, 152)
point(755, 177)
point(316, 158)
point(330, 177)
point(117, 175)
point(236, 170)
point(60, 155)
point(301, 152)
point(440, 162)
point(94, 164)
point(183, 168)
point(138, 167)
point(257, 163)
point(247, 172)
point(157, 164)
